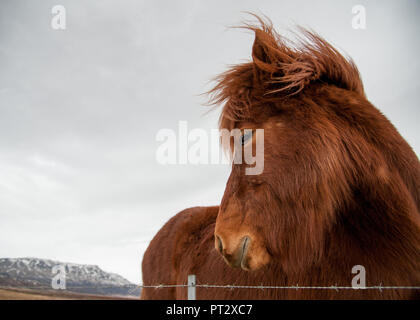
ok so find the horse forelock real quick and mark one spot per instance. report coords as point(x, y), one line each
point(280, 68)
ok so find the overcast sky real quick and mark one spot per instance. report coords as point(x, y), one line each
point(80, 109)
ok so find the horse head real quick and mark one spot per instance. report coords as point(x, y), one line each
point(326, 148)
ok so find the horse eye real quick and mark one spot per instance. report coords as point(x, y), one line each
point(246, 136)
point(255, 182)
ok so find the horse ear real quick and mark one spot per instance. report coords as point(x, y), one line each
point(264, 51)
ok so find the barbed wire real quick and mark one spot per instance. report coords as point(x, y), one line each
point(133, 287)
point(380, 287)
point(295, 287)
point(228, 286)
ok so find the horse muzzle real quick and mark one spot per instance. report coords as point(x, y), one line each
point(235, 254)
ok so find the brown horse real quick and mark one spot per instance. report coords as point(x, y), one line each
point(340, 188)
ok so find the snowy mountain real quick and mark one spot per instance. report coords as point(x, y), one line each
point(34, 273)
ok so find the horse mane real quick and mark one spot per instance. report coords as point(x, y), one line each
point(280, 68)
point(340, 186)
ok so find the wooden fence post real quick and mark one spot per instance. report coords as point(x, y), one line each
point(191, 287)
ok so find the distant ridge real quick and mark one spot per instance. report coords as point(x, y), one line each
point(35, 273)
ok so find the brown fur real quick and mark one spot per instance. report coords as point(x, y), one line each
point(340, 187)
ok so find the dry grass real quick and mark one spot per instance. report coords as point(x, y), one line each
point(26, 294)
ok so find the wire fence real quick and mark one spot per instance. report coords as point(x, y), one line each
point(192, 285)
point(297, 287)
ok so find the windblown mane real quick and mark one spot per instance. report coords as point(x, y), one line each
point(283, 69)
point(340, 188)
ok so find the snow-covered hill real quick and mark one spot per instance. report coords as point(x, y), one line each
point(38, 274)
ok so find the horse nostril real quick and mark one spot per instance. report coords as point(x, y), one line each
point(245, 243)
point(219, 244)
